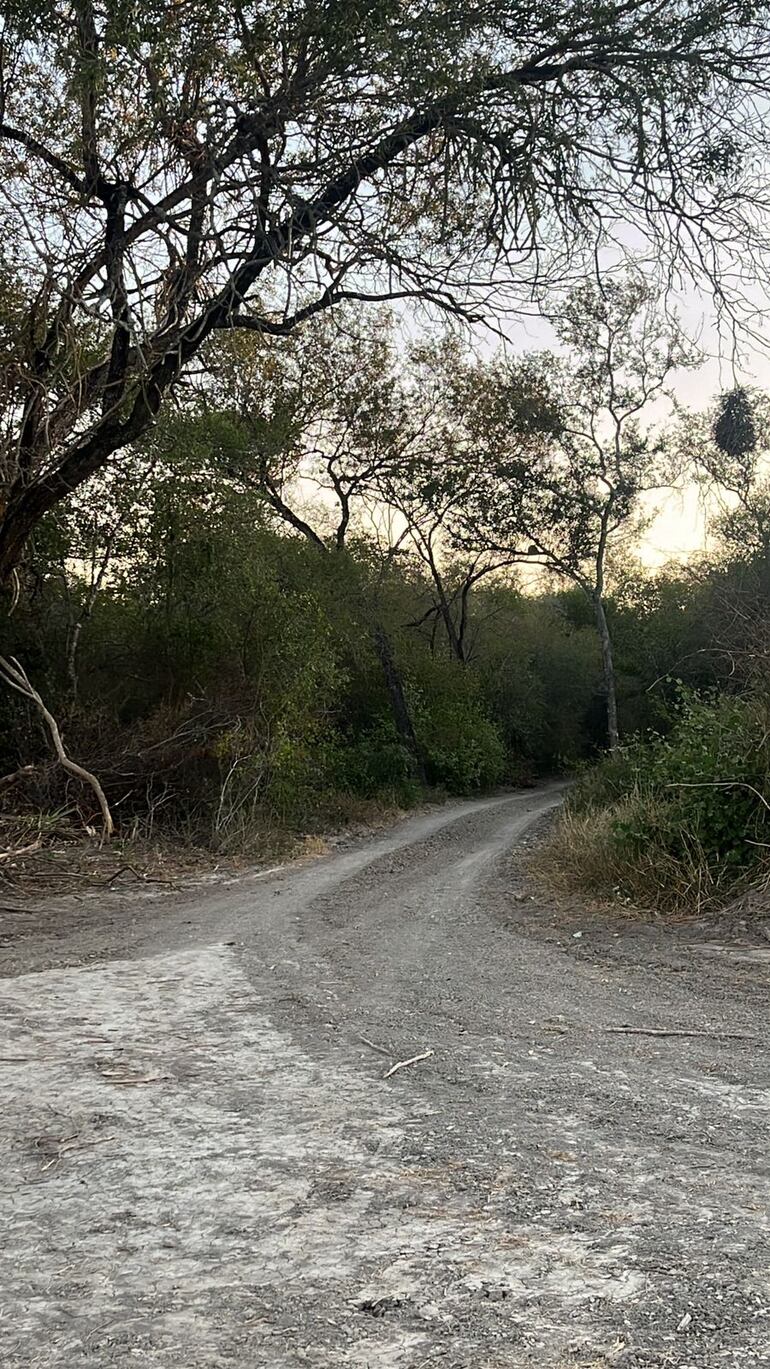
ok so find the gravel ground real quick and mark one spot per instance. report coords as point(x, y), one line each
point(206, 1166)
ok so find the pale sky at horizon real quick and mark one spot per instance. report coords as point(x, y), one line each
point(679, 529)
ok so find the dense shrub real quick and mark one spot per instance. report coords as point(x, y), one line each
point(674, 821)
point(540, 675)
point(462, 746)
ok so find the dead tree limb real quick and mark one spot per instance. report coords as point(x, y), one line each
point(627, 1030)
point(14, 675)
point(402, 1064)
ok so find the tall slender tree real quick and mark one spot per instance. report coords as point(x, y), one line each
point(549, 460)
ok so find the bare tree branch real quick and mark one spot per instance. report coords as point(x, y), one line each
point(15, 677)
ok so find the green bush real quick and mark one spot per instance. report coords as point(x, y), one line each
point(463, 748)
point(680, 820)
point(375, 763)
point(539, 675)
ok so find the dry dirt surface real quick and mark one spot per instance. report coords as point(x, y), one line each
point(204, 1163)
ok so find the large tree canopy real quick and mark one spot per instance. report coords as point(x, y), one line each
point(171, 168)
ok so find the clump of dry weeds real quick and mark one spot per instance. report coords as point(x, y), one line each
point(582, 853)
point(52, 852)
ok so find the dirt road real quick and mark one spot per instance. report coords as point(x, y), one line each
point(204, 1164)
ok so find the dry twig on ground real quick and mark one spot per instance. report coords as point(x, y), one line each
point(402, 1064)
point(677, 1031)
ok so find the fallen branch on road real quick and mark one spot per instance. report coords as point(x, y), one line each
point(373, 1044)
point(402, 1064)
point(676, 1031)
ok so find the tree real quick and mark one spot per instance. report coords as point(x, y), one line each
point(172, 171)
point(322, 411)
point(101, 530)
point(555, 461)
point(425, 502)
point(729, 449)
point(318, 420)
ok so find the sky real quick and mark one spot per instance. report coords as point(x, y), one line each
point(679, 527)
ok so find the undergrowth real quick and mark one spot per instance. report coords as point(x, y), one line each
point(676, 823)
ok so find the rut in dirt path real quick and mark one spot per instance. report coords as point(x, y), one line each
point(205, 1165)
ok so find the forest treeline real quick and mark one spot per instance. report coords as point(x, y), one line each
point(226, 676)
point(341, 575)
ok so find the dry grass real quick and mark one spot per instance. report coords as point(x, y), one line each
point(45, 853)
point(582, 853)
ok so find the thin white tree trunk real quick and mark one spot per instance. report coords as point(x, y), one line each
point(608, 668)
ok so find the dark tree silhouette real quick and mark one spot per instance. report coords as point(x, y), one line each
point(173, 170)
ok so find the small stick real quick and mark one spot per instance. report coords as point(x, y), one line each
point(25, 1059)
point(662, 1031)
point(21, 850)
point(74, 1144)
point(141, 875)
point(402, 1064)
point(374, 1045)
point(131, 1080)
point(84, 1145)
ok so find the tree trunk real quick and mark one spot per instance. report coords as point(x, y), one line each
point(455, 644)
point(14, 533)
point(72, 664)
point(398, 704)
point(608, 667)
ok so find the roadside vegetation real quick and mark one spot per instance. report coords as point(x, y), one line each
point(678, 817)
point(248, 644)
point(295, 526)
point(675, 822)
point(337, 581)
point(227, 684)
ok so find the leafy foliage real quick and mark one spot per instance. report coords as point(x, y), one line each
point(682, 819)
point(172, 173)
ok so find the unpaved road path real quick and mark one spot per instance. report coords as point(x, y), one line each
point(204, 1165)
